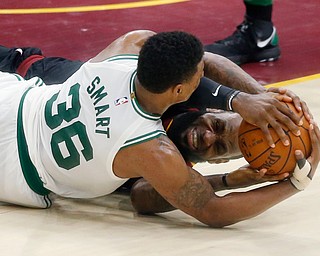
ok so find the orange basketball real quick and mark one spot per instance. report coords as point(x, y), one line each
point(258, 154)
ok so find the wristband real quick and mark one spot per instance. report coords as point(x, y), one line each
point(210, 94)
point(230, 99)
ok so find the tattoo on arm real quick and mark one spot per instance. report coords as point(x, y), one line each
point(231, 75)
point(195, 193)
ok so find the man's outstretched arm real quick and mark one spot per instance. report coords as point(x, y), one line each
point(184, 188)
point(226, 72)
point(146, 200)
point(254, 103)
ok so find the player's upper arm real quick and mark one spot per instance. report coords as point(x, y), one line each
point(129, 43)
point(161, 164)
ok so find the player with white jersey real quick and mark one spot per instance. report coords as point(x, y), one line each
point(73, 131)
point(86, 121)
point(65, 138)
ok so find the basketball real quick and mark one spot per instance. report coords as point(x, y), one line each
point(280, 159)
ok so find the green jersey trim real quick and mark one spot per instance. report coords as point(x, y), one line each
point(39, 82)
point(143, 138)
point(20, 78)
point(28, 169)
point(135, 103)
point(123, 57)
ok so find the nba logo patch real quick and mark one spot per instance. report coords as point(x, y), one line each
point(121, 101)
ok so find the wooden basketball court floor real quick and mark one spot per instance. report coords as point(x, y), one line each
point(108, 225)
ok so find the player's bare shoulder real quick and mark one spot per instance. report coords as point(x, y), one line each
point(132, 161)
point(129, 43)
point(166, 145)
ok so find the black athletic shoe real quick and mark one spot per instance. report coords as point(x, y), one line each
point(253, 41)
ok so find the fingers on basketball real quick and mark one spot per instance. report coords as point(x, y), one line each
point(279, 159)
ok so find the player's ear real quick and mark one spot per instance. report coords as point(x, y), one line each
point(177, 90)
point(180, 93)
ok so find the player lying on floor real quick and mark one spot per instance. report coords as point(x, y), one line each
point(30, 62)
point(183, 187)
point(221, 148)
point(217, 139)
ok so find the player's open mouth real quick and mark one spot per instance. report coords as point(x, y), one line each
point(193, 139)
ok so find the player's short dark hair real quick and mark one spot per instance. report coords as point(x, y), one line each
point(167, 59)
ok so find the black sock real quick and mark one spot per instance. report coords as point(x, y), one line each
point(259, 12)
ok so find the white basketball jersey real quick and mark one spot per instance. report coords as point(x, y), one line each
point(74, 130)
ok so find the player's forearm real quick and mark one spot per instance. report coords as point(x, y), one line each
point(220, 212)
point(210, 94)
point(145, 199)
point(225, 72)
point(239, 206)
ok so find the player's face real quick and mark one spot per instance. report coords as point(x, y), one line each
point(213, 137)
point(193, 83)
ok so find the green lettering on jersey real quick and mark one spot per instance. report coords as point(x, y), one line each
point(66, 137)
point(64, 146)
point(63, 112)
point(97, 95)
point(101, 109)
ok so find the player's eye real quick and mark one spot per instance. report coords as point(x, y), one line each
point(220, 147)
point(218, 126)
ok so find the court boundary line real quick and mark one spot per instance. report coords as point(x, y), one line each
point(91, 8)
point(294, 81)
